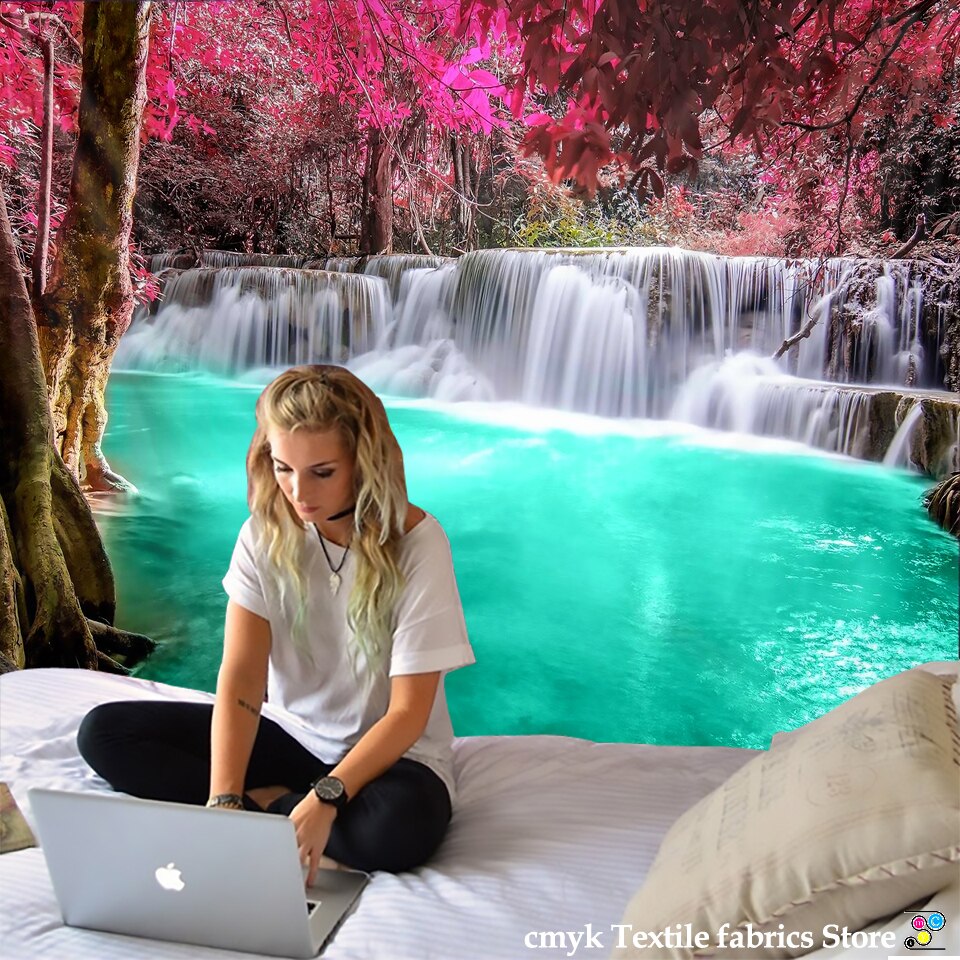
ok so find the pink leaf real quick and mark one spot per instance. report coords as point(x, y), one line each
point(537, 119)
point(475, 54)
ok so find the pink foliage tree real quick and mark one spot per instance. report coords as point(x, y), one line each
point(648, 88)
point(394, 67)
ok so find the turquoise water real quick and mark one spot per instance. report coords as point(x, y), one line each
point(629, 582)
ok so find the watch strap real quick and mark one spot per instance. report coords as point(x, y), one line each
point(339, 802)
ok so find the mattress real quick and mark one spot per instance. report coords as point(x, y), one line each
point(548, 834)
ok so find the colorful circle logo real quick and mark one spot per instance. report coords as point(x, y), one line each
point(924, 925)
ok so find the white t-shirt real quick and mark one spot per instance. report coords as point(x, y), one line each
point(329, 687)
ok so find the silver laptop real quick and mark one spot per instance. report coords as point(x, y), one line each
point(218, 878)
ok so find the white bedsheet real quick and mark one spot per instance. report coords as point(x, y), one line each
point(549, 833)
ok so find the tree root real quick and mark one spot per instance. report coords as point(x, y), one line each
point(55, 574)
point(107, 664)
point(99, 478)
point(943, 504)
point(83, 550)
point(121, 646)
point(12, 600)
point(59, 636)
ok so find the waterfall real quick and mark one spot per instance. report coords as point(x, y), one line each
point(898, 453)
point(392, 267)
point(174, 259)
point(234, 319)
point(228, 258)
point(619, 332)
point(610, 332)
point(335, 264)
point(750, 394)
point(635, 332)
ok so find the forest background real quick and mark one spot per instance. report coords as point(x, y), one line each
point(335, 127)
point(328, 127)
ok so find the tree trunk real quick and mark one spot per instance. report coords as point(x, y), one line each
point(88, 303)
point(56, 587)
point(465, 186)
point(42, 246)
point(413, 130)
point(377, 230)
point(469, 192)
point(884, 209)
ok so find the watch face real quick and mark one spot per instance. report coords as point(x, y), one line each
point(329, 788)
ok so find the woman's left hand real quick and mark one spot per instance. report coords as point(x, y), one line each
point(313, 821)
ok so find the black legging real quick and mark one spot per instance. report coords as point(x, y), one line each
point(161, 751)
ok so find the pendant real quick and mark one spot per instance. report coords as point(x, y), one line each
point(334, 583)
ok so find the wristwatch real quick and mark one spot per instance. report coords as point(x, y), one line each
point(331, 790)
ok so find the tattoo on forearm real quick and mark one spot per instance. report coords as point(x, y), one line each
point(249, 706)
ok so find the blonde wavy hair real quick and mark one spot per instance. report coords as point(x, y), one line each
point(323, 397)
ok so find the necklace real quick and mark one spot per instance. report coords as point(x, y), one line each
point(334, 572)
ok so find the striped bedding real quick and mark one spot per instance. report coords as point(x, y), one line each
point(549, 834)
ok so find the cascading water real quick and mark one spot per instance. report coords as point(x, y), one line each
point(171, 259)
point(750, 394)
point(392, 268)
point(618, 333)
point(614, 333)
point(236, 319)
point(227, 258)
point(649, 332)
point(334, 264)
point(897, 454)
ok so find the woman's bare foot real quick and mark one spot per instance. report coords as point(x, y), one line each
point(264, 796)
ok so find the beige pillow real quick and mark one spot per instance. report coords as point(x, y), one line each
point(853, 818)
point(947, 668)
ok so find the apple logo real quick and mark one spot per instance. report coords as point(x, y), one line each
point(169, 878)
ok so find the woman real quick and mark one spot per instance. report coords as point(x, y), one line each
point(344, 608)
